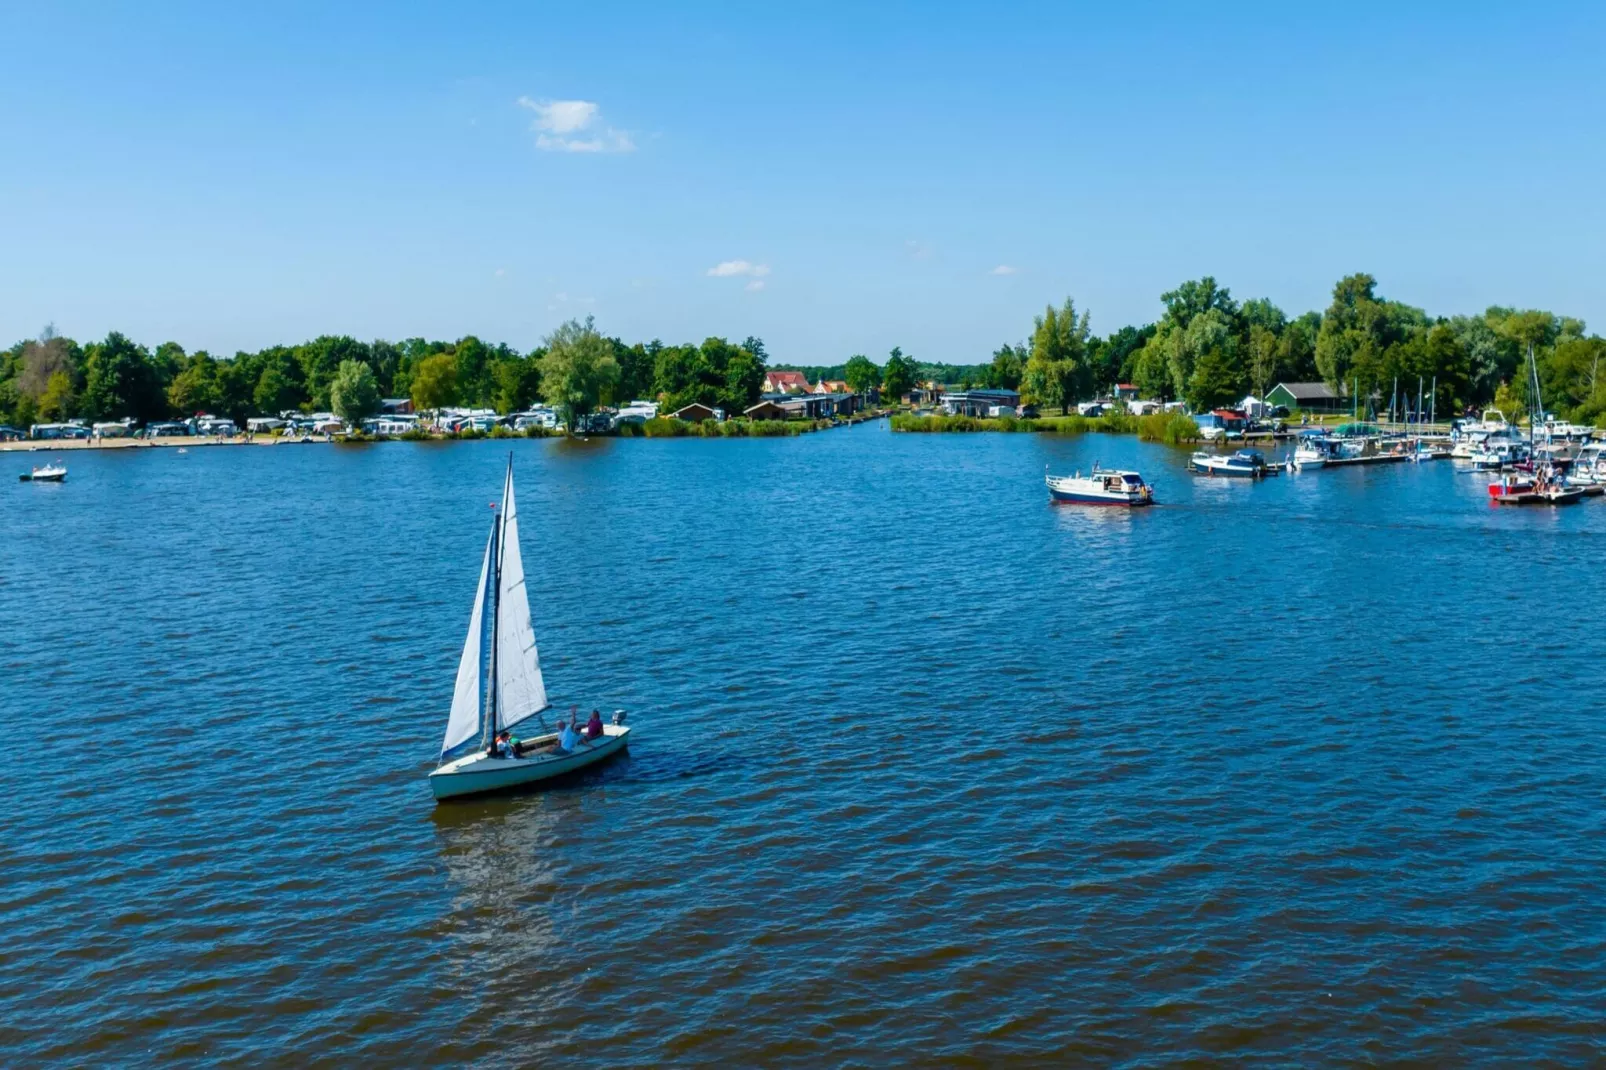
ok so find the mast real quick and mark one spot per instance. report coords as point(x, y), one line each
point(492, 595)
point(1535, 405)
point(495, 697)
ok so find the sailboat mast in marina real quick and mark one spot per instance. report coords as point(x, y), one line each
point(499, 685)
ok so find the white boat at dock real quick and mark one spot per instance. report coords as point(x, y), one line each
point(483, 749)
point(1102, 486)
point(1238, 463)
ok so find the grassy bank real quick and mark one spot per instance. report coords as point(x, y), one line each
point(669, 427)
point(1173, 428)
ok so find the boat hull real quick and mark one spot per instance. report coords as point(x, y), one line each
point(1072, 497)
point(478, 774)
point(1226, 470)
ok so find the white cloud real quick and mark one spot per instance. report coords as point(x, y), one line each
point(754, 286)
point(559, 125)
point(1004, 269)
point(732, 268)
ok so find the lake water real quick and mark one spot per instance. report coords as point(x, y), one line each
point(925, 769)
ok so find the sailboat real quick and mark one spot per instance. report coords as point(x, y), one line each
point(499, 685)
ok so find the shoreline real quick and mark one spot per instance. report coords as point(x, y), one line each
point(681, 429)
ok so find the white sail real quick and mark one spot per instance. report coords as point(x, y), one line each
point(466, 719)
point(520, 689)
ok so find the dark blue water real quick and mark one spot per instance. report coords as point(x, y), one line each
point(925, 768)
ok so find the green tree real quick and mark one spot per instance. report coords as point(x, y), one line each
point(1057, 372)
point(1296, 349)
point(1151, 366)
point(279, 385)
point(518, 383)
point(1196, 298)
point(898, 374)
point(578, 369)
point(1263, 353)
point(354, 393)
point(743, 378)
point(861, 374)
point(58, 401)
point(195, 388)
point(320, 360)
point(1008, 368)
point(1358, 329)
point(119, 381)
point(1215, 374)
point(434, 382)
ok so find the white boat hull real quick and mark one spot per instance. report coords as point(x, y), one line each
point(477, 773)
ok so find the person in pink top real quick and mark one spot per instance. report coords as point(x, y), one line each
point(594, 726)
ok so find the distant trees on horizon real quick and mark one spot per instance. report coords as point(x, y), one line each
point(1207, 349)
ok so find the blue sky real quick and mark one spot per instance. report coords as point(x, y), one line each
point(924, 175)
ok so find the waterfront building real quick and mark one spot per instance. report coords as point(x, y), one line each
point(1312, 397)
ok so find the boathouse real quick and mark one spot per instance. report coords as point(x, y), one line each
point(765, 410)
point(1312, 397)
point(697, 412)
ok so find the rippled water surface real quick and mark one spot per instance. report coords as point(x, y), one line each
point(925, 769)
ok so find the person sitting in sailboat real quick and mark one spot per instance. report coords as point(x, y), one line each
point(594, 726)
point(568, 738)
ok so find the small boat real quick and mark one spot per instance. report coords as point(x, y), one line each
point(1102, 486)
point(49, 473)
point(1313, 451)
point(501, 697)
point(1238, 463)
point(1517, 490)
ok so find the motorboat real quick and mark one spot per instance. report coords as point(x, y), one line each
point(1237, 463)
point(500, 689)
point(1544, 489)
point(1589, 467)
point(1495, 457)
point(1313, 451)
point(48, 473)
point(1102, 486)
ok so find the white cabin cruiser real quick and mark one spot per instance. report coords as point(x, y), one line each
point(483, 749)
point(1102, 486)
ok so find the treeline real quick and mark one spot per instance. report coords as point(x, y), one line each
point(56, 378)
point(1210, 350)
point(1207, 349)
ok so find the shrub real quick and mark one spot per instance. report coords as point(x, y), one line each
point(1172, 428)
point(415, 434)
point(665, 427)
point(1119, 422)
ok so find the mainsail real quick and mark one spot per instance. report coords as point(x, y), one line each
point(466, 720)
point(519, 687)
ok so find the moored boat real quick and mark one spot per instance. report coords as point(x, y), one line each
point(1313, 451)
point(1237, 463)
point(483, 749)
point(1102, 486)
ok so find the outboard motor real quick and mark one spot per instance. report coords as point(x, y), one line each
point(618, 716)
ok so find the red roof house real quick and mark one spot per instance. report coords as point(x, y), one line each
point(779, 382)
